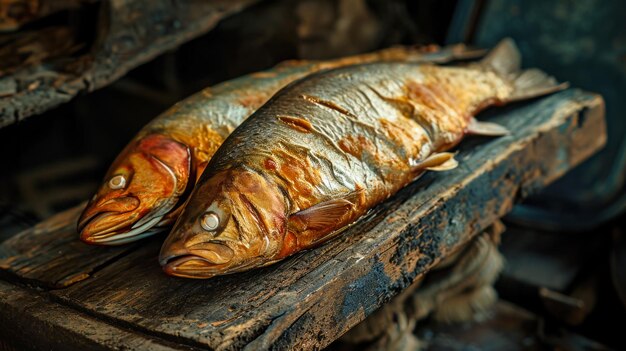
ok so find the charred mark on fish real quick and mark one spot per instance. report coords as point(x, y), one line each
point(200, 124)
point(299, 124)
point(270, 164)
point(294, 202)
point(329, 104)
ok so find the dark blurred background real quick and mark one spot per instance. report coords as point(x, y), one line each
point(565, 247)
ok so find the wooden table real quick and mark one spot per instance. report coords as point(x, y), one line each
point(56, 292)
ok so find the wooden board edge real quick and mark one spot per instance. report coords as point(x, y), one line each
point(29, 321)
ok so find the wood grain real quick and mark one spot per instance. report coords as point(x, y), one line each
point(31, 321)
point(309, 300)
point(50, 255)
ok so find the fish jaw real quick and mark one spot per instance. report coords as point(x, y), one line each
point(199, 255)
point(126, 234)
point(198, 262)
point(98, 226)
point(156, 172)
point(246, 228)
point(192, 267)
point(93, 212)
point(107, 217)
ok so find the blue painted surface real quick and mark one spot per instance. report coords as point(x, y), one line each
point(365, 292)
point(583, 42)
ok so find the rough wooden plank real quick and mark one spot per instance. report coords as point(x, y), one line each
point(29, 321)
point(50, 254)
point(309, 300)
point(131, 32)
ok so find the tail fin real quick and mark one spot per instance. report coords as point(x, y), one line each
point(505, 60)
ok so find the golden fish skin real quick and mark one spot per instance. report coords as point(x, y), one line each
point(324, 151)
point(146, 186)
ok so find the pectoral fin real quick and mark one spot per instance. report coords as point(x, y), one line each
point(443, 161)
point(486, 128)
point(326, 215)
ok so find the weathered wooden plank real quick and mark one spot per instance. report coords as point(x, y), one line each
point(131, 32)
point(309, 300)
point(30, 321)
point(50, 254)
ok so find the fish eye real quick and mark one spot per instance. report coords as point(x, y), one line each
point(209, 221)
point(117, 182)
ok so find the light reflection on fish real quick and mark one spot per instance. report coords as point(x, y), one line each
point(328, 148)
point(146, 186)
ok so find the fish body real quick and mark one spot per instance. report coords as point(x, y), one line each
point(146, 186)
point(321, 153)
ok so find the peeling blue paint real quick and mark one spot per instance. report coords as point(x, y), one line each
point(364, 293)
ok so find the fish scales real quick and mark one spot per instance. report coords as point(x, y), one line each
point(149, 181)
point(377, 156)
point(326, 149)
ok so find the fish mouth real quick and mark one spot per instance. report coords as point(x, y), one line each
point(200, 261)
point(109, 228)
point(115, 228)
point(191, 266)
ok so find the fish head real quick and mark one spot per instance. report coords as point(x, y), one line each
point(233, 221)
point(140, 192)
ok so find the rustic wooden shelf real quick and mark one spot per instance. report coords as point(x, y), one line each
point(56, 291)
point(130, 32)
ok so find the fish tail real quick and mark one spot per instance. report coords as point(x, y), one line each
point(505, 60)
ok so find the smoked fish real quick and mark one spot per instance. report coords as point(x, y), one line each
point(147, 184)
point(326, 149)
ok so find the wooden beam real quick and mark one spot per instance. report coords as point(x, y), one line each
point(130, 32)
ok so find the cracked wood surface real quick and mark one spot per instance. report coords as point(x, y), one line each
point(309, 300)
point(51, 326)
point(49, 256)
point(130, 32)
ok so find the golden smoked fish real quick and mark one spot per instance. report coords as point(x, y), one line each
point(145, 187)
point(326, 149)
